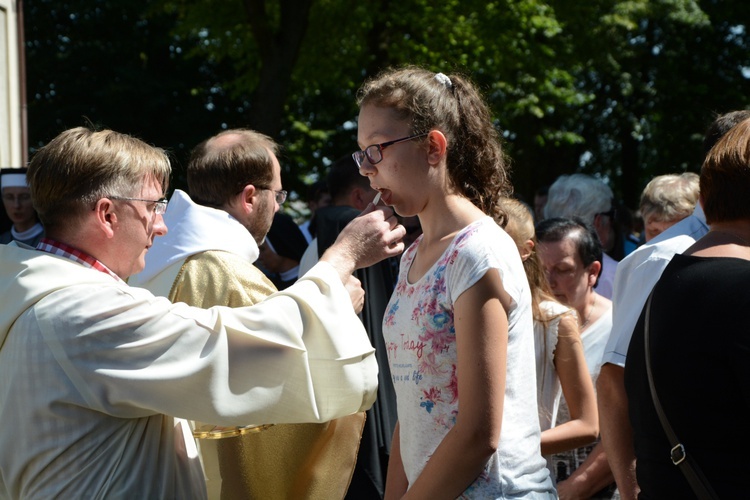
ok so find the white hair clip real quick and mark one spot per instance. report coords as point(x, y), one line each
point(441, 78)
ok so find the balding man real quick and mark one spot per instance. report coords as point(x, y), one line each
point(206, 260)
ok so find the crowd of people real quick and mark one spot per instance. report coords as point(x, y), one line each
point(425, 334)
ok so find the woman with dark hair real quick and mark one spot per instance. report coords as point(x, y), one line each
point(560, 361)
point(699, 343)
point(572, 258)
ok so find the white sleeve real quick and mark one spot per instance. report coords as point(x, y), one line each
point(635, 278)
point(302, 355)
point(631, 289)
point(467, 266)
point(309, 258)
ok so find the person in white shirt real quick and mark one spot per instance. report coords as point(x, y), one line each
point(560, 359)
point(458, 327)
point(634, 281)
point(94, 370)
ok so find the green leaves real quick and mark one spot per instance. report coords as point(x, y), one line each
point(620, 88)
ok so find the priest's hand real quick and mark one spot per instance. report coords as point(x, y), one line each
point(371, 237)
point(356, 293)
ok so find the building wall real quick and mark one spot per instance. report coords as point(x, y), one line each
point(10, 96)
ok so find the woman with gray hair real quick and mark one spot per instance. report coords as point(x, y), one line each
point(666, 200)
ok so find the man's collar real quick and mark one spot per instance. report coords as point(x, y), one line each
point(63, 250)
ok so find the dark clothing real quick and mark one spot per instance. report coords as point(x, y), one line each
point(286, 237)
point(7, 237)
point(700, 358)
point(288, 241)
point(378, 282)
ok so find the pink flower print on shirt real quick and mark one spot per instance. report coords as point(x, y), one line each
point(418, 313)
point(429, 364)
point(453, 256)
point(437, 286)
point(430, 398)
point(439, 331)
point(446, 420)
point(401, 287)
point(453, 386)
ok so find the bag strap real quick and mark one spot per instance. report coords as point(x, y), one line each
point(698, 482)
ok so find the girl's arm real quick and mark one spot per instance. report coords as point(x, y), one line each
point(395, 482)
point(592, 475)
point(481, 324)
point(570, 364)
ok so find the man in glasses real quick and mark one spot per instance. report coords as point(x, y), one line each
point(94, 369)
point(206, 260)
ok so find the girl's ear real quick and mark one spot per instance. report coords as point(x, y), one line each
point(526, 250)
point(437, 147)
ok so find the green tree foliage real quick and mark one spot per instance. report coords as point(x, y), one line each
point(103, 63)
point(659, 71)
point(621, 89)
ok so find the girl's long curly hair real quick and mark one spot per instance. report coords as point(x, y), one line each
point(477, 165)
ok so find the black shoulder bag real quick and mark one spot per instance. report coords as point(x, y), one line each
point(680, 458)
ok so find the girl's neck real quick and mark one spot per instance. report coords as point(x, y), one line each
point(443, 218)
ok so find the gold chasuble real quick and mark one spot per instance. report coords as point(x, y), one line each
point(285, 461)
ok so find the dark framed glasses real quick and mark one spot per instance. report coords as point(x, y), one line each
point(374, 153)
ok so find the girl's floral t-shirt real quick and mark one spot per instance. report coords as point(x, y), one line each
point(421, 340)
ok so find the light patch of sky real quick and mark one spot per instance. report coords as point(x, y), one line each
point(604, 178)
point(585, 158)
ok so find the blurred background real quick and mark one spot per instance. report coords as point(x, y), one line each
point(620, 89)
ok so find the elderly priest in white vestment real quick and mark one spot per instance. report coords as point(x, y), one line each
point(93, 370)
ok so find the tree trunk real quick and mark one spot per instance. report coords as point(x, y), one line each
point(279, 50)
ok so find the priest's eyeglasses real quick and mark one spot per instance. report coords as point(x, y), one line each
point(280, 194)
point(160, 206)
point(374, 153)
